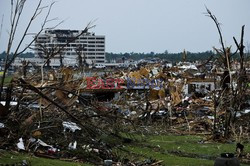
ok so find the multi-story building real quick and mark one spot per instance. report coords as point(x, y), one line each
point(93, 46)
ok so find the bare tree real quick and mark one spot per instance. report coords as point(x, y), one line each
point(232, 96)
point(80, 52)
point(239, 93)
point(47, 53)
point(17, 7)
point(184, 55)
point(61, 60)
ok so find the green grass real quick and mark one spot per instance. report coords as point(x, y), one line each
point(189, 144)
point(12, 158)
point(172, 150)
point(169, 159)
point(7, 79)
point(180, 150)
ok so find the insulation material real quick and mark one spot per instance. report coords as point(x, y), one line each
point(37, 134)
point(176, 99)
point(67, 74)
point(156, 94)
point(144, 72)
point(153, 94)
point(161, 93)
point(160, 75)
point(135, 76)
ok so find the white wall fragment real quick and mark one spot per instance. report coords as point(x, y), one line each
point(72, 146)
point(2, 125)
point(71, 126)
point(20, 144)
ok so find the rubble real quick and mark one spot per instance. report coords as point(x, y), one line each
point(71, 126)
point(73, 112)
point(2, 125)
point(82, 114)
point(20, 144)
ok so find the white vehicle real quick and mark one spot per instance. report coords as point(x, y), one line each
point(99, 66)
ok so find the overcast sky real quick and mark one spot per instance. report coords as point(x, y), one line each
point(144, 25)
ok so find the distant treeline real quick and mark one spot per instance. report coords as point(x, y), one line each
point(24, 55)
point(172, 57)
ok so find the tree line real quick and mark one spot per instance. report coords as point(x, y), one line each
point(172, 57)
point(23, 55)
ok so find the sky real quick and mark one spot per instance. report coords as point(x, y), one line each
point(141, 25)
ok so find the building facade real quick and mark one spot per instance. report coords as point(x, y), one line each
point(198, 85)
point(92, 46)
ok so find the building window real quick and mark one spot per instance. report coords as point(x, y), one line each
point(100, 54)
point(101, 61)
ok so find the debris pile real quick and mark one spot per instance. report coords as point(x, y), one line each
point(68, 113)
point(50, 119)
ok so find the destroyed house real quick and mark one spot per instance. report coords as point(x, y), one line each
point(199, 85)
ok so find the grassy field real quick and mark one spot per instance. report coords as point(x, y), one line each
point(17, 158)
point(172, 150)
point(6, 80)
point(180, 150)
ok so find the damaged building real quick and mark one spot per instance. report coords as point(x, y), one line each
point(93, 46)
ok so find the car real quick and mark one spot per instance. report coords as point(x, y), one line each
point(99, 66)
